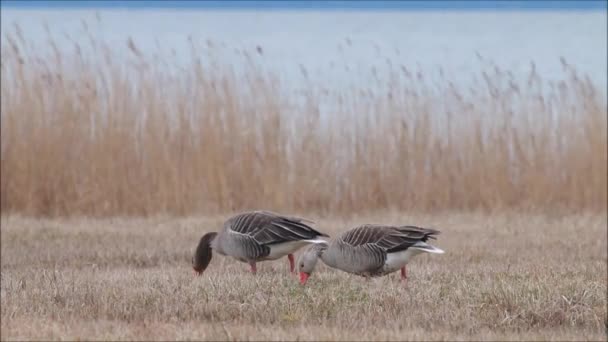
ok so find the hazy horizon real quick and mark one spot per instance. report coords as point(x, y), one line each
point(338, 48)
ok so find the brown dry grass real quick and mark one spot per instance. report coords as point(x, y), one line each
point(103, 136)
point(503, 277)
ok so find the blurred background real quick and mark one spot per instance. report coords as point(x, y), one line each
point(190, 107)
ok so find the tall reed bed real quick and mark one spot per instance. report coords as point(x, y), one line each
point(100, 134)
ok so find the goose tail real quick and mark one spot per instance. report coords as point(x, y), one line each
point(425, 247)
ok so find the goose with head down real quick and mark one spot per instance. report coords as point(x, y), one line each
point(256, 236)
point(370, 250)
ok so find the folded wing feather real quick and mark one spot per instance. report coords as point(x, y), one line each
point(268, 228)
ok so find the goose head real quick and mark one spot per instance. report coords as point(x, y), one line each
point(202, 255)
point(308, 260)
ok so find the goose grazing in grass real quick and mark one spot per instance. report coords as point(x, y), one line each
point(369, 250)
point(256, 236)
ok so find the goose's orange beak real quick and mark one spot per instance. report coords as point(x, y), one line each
point(197, 272)
point(304, 277)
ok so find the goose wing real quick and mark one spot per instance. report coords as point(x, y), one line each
point(389, 239)
point(402, 238)
point(267, 228)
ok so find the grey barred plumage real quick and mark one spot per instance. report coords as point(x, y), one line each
point(267, 228)
point(371, 250)
point(256, 236)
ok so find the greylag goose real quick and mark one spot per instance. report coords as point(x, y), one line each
point(256, 236)
point(369, 250)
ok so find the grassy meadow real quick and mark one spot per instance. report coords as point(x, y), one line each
point(503, 277)
point(112, 168)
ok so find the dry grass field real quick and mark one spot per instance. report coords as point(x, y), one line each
point(112, 168)
point(503, 277)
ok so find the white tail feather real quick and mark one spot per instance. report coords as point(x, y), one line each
point(316, 241)
point(425, 247)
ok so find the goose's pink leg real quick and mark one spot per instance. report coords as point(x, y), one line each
point(292, 265)
point(403, 274)
point(254, 269)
